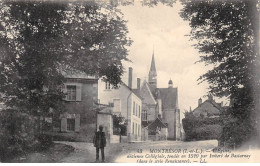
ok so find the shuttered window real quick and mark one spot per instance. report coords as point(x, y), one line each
point(134, 109)
point(144, 115)
point(139, 112)
point(133, 128)
point(70, 124)
point(108, 86)
point(71, 92)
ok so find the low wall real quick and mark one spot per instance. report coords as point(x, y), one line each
point(115, 139)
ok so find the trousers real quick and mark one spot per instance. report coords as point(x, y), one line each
point(102, 153)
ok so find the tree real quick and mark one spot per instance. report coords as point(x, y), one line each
point(227, 33)
point(119, 125)
point(42, 40)
point(39, 42)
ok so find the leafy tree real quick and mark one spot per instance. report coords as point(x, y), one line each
point(17, 134)
point(42, 40)
point(119, 125)
point(227, 33)
point(39, 42)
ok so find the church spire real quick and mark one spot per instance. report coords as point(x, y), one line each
point(153, 68)
point(152, 73)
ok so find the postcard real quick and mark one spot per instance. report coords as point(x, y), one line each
point(129, 81)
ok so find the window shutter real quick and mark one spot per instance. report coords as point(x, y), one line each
point(78, 92)
point(77, 123)
point(63, 126)
point(64, 90)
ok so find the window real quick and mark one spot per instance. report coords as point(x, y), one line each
point(108, 86)
point(70, 124)
point(133, 128)
point(71, 92)
point(139, 111)
point(136, 129)
point(134, 109)
point(144, 115)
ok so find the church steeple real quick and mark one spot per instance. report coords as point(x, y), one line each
point(152, 79)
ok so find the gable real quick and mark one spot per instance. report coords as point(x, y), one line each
point(207, 109)
point(146, 94)
point(169, 97)
point(156, 123)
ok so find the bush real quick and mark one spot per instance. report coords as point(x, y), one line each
point(236, 132)
point(17, 133)
point(201, 128)
point(45, 141)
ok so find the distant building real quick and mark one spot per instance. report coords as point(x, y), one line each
point(126, 103)
point(209, 108)
point(160, 103)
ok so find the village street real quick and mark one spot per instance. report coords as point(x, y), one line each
point(85, 152)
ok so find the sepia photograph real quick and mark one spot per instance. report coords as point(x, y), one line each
point(129, 81)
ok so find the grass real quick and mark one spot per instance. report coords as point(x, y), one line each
point(52, 154)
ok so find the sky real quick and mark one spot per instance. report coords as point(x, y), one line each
point(163, 29)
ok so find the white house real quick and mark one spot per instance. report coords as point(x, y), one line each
point(126, 103)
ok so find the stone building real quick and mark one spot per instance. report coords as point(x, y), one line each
point(79, 117)
point(160, 103)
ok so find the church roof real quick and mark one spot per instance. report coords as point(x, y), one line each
point(169, 97)
point(149, 94)
point(146, 94)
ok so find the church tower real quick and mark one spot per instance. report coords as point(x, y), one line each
point(152, 73)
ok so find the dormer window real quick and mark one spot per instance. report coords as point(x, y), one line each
point(108, 86)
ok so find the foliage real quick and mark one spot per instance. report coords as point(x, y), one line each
point(42, 40)
point(227, 33)
point(197, 128)
point(119, 125)
point(17, 134)
point(236, 132)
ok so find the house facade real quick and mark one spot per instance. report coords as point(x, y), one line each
point(79, 117)
point(209, 108)
point(126, 104)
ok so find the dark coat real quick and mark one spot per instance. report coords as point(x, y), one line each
point(99, 139)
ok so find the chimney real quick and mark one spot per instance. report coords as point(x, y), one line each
point(138, 83)
point(210, 97)
point(130, 77)
point(199, 102)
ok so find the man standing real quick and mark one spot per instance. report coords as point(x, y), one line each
point(99, 142)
